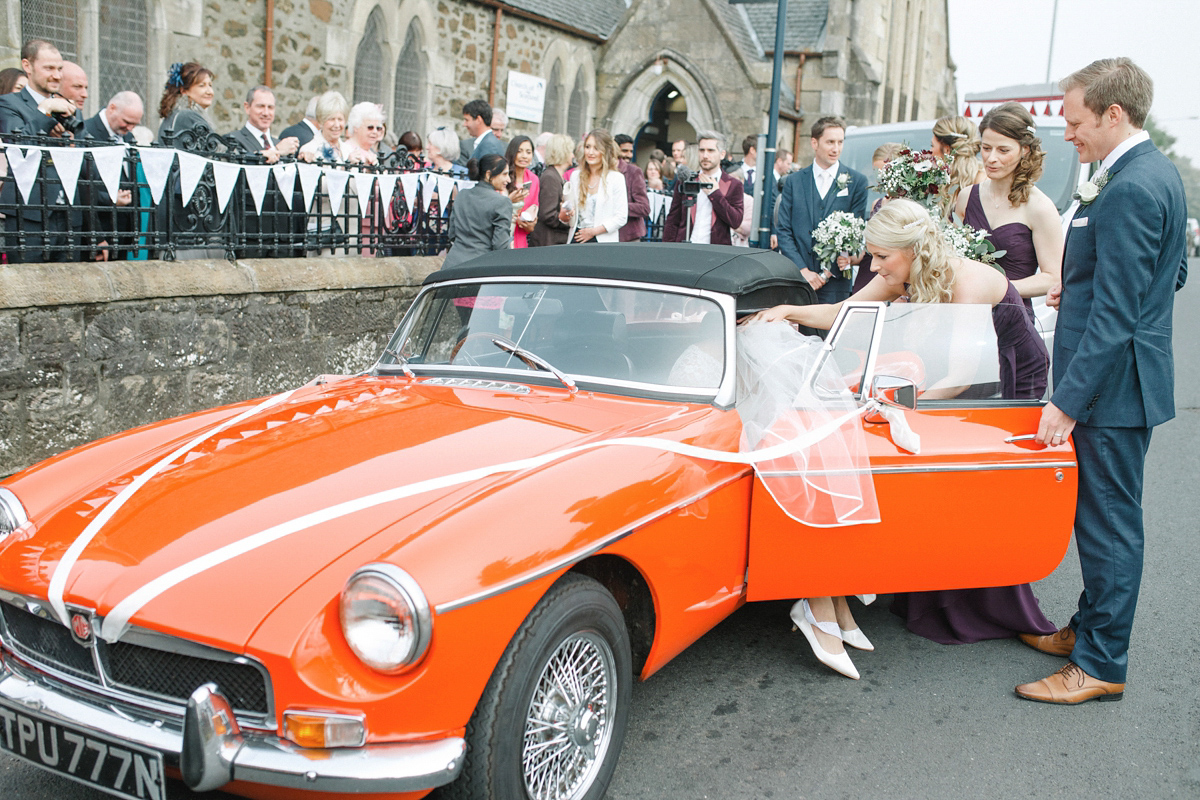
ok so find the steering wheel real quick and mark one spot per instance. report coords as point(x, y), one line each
point(467, 357)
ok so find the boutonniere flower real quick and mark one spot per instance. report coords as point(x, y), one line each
point(1089, 191)
point(843, 180)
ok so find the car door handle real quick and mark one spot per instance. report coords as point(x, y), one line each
point(1022, 438)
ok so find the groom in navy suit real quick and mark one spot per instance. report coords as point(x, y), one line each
point(811, 195)
point(1113, 370)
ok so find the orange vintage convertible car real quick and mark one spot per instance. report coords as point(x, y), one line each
point(445, 571)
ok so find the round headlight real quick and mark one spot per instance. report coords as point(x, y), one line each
point(385, 617)
point(12, 513)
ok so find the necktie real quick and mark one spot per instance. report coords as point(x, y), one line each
point(266, 142)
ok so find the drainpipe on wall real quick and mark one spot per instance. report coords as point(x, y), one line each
point(495, 56)
point(269, 43)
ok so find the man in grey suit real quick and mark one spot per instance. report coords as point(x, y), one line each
point(274, 217)
point(811, 195)
point(477, 119)
point(115, 124)
point(255, 135)
point(1114, 375)
point(34, 110)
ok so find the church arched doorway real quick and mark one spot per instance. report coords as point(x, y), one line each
point(668, 123)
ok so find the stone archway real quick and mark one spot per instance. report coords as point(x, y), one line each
point(634, 98)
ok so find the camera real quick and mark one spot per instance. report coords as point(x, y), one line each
point(692, 187)
point(71, 123)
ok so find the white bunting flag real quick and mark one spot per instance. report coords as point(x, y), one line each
point(667, 204)
point(309, 175)
point(408, 183)
point(363, 183)
point(225, 176)
point(285, 181)
point(445, 184)
point(387, 187)
point(109, 161)
point(428, 185)
point(24, 167)
point(191, 169)
point(256, 179)
point(67, 163)
point(335, 187)
point(156, 164)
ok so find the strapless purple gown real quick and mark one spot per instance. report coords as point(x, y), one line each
point(961, 616)
point(1015, 238)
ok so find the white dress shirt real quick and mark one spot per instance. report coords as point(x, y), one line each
point(824, 177)
point(702, 227)
point(1123, 148)
point(258, 136)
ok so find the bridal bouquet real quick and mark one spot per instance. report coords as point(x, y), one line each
point(916, 174)
point(839, 233)
point(971, 243)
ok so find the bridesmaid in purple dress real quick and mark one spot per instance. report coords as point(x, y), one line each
point(910, 258)
point(1021, 218)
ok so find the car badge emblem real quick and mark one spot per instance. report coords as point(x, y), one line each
point(81, 629)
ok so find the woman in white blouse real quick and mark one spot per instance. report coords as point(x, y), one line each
point(594, 200)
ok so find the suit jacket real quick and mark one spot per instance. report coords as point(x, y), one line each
point(481, 221)
point(549, 229)
point(109, 218)
point(1124, 258)
point(19, 113)
point(300, 130)
point(247, 141)
point(801, 209)
point(639, 203)
point(489, 144)
point(728, 202)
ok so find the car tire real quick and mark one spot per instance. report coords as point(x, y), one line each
point(526, 732)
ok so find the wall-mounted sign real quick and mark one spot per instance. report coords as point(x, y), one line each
point(526, 97)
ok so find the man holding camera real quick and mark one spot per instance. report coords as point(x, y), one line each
point(712, 199)
point(37, 110)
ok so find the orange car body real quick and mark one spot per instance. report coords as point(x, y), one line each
point(700, 537)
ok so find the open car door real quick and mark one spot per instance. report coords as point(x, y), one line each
point(979, 505)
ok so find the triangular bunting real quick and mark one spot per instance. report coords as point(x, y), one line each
point(24, 167)
point(67, 162)
point(335, 187)
point(429, 183)
point(285, 181)
point(156, 163)
point(108, 163)
point(445, 188)
point(309, 175)
point(408, 183)
point(363, 183)
point(463, 184)
point(387, 187)
point(225, 176)
point(191, 169)
point(257, 177)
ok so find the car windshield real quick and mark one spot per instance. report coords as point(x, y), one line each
point(591, 332)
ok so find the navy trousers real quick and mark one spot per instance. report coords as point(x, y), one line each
point(1110, 539)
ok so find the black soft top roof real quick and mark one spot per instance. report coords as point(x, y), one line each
point(758, 278)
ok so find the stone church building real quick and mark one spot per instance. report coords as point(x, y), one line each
point(658, 70)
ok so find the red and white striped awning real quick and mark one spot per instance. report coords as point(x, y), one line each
point(1037, 106)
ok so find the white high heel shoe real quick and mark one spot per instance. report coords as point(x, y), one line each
point(838, 662)
point(856, 638)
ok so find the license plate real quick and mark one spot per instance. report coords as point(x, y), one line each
point(107, 764)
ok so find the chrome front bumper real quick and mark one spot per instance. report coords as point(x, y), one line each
point(210, 750)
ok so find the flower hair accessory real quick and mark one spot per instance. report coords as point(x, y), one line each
point(1031, 129)
point(910, 225)
point(175, 75)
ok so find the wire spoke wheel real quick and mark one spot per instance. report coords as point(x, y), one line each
point(567, 726)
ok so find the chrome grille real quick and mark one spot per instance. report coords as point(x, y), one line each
point(160, 669)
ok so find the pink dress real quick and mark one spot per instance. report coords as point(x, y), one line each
point(520, 237)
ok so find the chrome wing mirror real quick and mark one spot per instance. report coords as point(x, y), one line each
point(892, 391)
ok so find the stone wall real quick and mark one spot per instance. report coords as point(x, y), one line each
point(89, 350)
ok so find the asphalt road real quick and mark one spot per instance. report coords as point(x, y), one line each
point(747, 712)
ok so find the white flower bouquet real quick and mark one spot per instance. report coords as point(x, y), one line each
point(841, 233)
point(916, 174)
point(971, 243)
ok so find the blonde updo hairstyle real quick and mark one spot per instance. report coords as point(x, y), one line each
point(1012, 121)
point(959, 136)
point(902, 224)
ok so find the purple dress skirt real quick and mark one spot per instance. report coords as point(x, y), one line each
point(1016, 239)
point(961, 616)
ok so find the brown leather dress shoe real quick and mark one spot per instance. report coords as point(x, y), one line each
point(1056, 644)
point(1070, 686)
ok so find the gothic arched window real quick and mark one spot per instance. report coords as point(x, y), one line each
point(577, 121)
point(368, 63)
point(54, 21)
point(409, 112)
point(552, 110)
point(124, 31)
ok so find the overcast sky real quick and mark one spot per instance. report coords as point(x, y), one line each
point(998, 44)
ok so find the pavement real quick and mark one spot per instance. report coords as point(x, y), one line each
point(747, 712)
